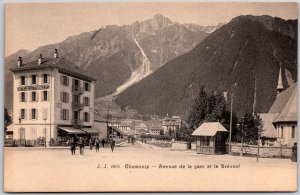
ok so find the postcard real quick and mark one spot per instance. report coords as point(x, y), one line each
point(151, 97)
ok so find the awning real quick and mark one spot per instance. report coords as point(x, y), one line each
point(91, 130)
point(209, 129)
point(71, 130)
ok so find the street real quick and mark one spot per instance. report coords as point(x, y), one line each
point(142, 167)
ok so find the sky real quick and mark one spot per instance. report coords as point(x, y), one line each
point(31, 25)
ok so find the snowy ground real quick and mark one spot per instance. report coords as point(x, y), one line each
point(57, 170)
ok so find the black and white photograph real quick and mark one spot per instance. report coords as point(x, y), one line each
point(150, 97)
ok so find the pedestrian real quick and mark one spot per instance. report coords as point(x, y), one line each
point(112, 144)
point(103, 142)
point(91, 144)
point(73, 146)
point(294, 153)
point(97, 142)
point(81, 145)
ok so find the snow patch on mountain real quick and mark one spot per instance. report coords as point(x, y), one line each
point(137, 75)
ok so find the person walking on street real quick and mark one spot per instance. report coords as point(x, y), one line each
point(103, 142)
point(97, 142)
point(73, 146)
point(91, 144)
point(112, 144)
point(81, 145)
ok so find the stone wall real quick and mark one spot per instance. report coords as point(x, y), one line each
point(182, 146)
point(268, 152)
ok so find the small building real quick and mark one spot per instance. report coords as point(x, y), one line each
point(211, 138)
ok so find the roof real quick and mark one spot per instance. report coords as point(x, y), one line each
point(289, 112)
point(209, 129)
point(282, 99)
point(268, 128)
point(119, 130)
point(72, 130)
point(60, 63)
point(90, 130)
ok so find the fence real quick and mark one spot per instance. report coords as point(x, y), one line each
point(264, 151)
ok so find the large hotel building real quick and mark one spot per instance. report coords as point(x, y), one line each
point(53, 99)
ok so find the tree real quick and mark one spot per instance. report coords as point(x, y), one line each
point(250, 128)
point(7, 119)
point(184, 133)
point(199, 110)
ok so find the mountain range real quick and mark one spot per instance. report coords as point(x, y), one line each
point(119, 56)
point(240, 59)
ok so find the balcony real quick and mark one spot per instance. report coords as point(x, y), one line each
point(77, 89)
point(76, 122)
point(77, 105)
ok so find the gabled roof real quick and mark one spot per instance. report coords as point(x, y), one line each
point(286, 105)
point(282, 99)
point(289, 112)
point(209, 129)
point(60, 63)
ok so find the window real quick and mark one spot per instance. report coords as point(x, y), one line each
point(23, 98)
point(64, 114)
point(23, 80)
point(33, 113)
point(45, 78)
point(45, 95)
point(76, 98)
point(86, 101)
point(281, 132)
point(33, 79)
point(33, 96)
point(65, 97)
point(293, 132)
point(22, 114)
point(64, 80)
point(86, 117)
point(87, 87)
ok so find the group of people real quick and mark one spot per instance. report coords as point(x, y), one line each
point(92, 142)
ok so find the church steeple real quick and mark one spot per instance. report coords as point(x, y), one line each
point(280, 87)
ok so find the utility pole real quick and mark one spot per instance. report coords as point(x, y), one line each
point(107, 129)
point(230, 131)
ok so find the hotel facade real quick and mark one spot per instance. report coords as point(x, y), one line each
point(52, 99)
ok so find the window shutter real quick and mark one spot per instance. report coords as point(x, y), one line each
point(37, 79)
point(48, 95)
point(37, 96)
point(20, 97)
point(67, 114)
point(25, 96)
point(68, 98)
point(61, 79)
point(36, 114)
point(26, 81)
point(20, 113)
point(67, 81)
point(25, 114)
point(61, 114)
point(88, 117)
point(90, 86)
point(61, 96)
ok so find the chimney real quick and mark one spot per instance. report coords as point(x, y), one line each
point(20, 61)
point(55, 54)
point(40, 59)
